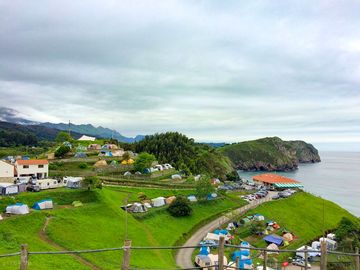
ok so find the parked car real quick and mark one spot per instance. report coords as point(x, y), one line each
point(301, 263)
point(275, 197)
point(210, 243)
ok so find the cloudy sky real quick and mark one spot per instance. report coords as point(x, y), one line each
point(214, 70)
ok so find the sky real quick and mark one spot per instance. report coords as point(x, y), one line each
point(217, 71)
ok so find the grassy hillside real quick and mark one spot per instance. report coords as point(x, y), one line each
point(100, 223)
point(270, 154)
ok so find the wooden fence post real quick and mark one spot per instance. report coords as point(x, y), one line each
point(265, 260)
point(221, 253)
point(357, 259)
point(24, 257)
point(237, 262)
point(323, 260)
point(126, 260)
point(306, 257)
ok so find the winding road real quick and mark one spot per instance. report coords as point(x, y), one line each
point(183, 257)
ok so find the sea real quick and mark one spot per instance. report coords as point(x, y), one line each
point(335, 178)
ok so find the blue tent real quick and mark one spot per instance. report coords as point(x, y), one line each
point(272, 238)
point(147, 170)
point(224, 232)
point(43, 204)
point(241, 254)
point(244, 264)
point(25, 157)
point(204, 250)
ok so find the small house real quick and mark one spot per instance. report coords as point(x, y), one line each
point(17, 209)
point(8, 189)
point(43, 205)
point(158, 202)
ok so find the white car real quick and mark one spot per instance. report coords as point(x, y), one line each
point(301, 263)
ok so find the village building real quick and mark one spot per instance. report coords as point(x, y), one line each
point(7, 172)
point(34, 167)
point(271, 180)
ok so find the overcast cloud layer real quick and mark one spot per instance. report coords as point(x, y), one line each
point(214, 70)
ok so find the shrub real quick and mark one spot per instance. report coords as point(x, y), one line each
point(204, 188)
point(83, 165)
point(92, 182)
point(180, 207)
point(62, 151)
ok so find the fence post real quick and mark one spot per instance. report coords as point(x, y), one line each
point(221, 253)
point(265, 260)
point(306, 257)
point(237, 262)
point(323, 256)
point(126, 260)
point(357, 259)
point(24, 257)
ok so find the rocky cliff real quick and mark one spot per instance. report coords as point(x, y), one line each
point(270, 154)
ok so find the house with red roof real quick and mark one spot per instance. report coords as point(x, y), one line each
point(272, 180)
point(7, 171)
point(32, 167)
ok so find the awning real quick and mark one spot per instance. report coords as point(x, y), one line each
point(288, 185)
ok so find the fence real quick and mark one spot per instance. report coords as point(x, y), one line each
point(125, 265)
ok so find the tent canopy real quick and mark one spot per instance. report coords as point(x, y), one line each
point(288, 185)
point(272, 238)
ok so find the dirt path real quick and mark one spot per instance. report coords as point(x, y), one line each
point(183, 257)
point(43, 236)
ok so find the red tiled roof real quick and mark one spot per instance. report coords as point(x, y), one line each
point(32, 162)
point(272, 178)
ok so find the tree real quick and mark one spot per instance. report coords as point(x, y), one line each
point(126, 156)
point(62, 151)
point(143, 161)
point(180, 207)
point(203, 188)
point(91, 182)
point(83, 165)
point(63, 136)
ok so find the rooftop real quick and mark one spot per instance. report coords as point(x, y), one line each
point(32, 162)
point(272, 178)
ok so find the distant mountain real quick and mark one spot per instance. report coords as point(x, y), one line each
point(13, 116)
point(99, 132)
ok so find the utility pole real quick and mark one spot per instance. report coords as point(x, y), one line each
point(69, 129)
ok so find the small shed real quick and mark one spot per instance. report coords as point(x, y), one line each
point(8, 189)
point(159, 201)
point(43, 204)
point(17, 209)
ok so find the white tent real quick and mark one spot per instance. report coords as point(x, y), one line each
point(147, 205)
point(17, 209)
point(215, 259)
point(138, 208)
point(176, 177)
point(86, 138)
point(215, 237)
point(1, 218)
point(330, 244)
point(44, 204)
point(73, 182)
point(192, 198)
point(8, 189)
point(310, 254)
point(272, 246)
point(159, 201)
point(331, 236)
point(316, 245)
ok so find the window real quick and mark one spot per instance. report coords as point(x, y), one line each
point(40, 166)
point(26, 166)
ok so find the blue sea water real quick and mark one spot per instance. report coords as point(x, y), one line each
point(336, 178)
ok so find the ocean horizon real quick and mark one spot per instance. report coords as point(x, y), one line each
point(335, 178)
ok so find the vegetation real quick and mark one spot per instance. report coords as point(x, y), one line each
point(180, 207)
point(62, 151)
point(143, 161)
point(83, 165)
point(270, 154)
point(91, 182)
point(203, 188)
point(348, 234)
point(63, 136)
point(185, 154)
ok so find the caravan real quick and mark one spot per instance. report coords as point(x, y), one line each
point(47, 183)
point(72, 182)
point(8, 189)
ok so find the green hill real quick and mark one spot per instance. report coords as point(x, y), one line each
point(270, 154)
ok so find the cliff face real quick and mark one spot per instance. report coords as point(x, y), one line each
point(270, 154)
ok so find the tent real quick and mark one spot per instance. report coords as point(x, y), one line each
point(176, 177)
point(80, 155)
point(215, 259)
point(73, 182)
point(147, 205)
point(331, 236)
point(100, 163)
point(330, 244)
point(127, 173)
point(310, 254)
point(138, 208)
point(272, 246)
point(204, 250)
point(192, 198)
point(43, 204)
point(259, 217)
point(17, 209)
point(241, 254)
point(275, 239)
point(211, 196)
point(114, 162)
point(288, 237)
point(22, 187)
point(315, 245)
point(245, 221)
point(215, 237)
point(223, 232)
point(244, 244)
point(77, 203)
point(8, 189)
point(230, 226)
point(1, 218)
point(159, 201)
point(170, 199)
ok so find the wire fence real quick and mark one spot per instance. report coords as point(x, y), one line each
point(328, 260)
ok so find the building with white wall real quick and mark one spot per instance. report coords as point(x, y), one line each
point(33, 167)
point(7, 172)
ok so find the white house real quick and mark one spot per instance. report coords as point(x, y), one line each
point(86, 138)
point(33, 167)
point(7, 172)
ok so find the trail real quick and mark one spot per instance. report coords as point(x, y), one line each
point(183, 257)
point(43, 236)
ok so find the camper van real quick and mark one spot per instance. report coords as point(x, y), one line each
point(47, 183)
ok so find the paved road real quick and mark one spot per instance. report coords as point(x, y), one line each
point(183, 257)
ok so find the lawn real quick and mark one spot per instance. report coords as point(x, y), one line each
point(100, 223)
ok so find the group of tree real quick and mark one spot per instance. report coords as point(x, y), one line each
point(348, 234)
point(10, 138)
point(62, 150)
point(186, 155)
point(143, 160)
point(63, 136)
point(180, 207)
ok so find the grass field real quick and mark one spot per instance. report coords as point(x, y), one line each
point(100, 223)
